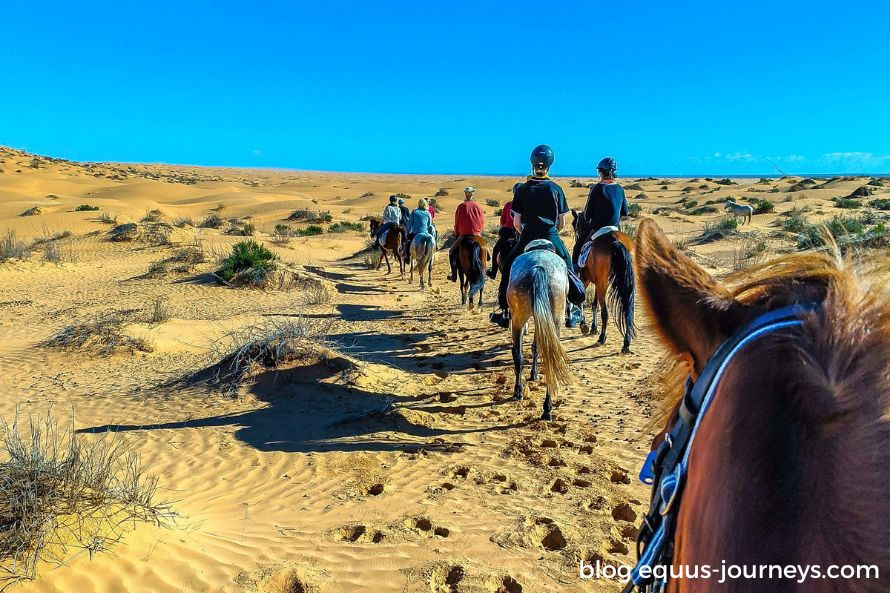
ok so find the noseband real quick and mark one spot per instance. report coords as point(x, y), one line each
point(666, 467)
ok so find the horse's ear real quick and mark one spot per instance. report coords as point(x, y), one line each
point(693, 312)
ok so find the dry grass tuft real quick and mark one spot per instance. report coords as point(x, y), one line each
point(266, 346)
point(104, 334)
point(63, 495)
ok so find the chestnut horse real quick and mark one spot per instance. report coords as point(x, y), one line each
point(609, 266)
point(392, 243)
point(788, 463)
point(472, 264)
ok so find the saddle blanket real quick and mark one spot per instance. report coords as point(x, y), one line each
point(585, 250)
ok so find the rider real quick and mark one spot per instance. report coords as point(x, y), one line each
point(606, 205)
point(405, 213)
point(392, 215)
point(469, 220)
point(420, 221)
point(539, 212)
point(506, 234)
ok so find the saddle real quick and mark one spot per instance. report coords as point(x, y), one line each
point(588, 245)
point(539, 245)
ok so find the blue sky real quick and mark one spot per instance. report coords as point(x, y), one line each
point(665, 86)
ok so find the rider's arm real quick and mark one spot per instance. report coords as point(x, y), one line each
point(561, 221)
point(517, 222)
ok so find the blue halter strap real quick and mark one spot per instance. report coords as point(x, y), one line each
point(666, 467)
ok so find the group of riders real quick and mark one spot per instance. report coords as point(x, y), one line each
point(537, 211)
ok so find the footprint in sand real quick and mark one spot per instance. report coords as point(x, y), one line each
point(358, 534)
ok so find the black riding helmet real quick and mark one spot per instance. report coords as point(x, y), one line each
point(607, 164)
point(393, 199)
point(541, 157)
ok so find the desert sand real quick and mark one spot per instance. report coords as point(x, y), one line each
point(400, 466)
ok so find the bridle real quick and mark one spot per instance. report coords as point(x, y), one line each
point(666, 467)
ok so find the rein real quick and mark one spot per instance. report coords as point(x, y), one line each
point(667, 466)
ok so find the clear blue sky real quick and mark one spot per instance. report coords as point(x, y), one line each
point(665, 86)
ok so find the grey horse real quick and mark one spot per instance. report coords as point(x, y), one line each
point(537, 290)
point(423, 251)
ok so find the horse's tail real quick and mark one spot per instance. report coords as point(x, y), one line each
point(556, 361)
point(622, 286)
point(476, 275)
point(425, 250)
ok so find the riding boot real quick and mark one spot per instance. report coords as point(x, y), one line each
point(452, 259)
point(574, 316)
point(577, 292)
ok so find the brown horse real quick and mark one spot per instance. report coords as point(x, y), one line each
point(790, 462)
point(472, 264)
point(392, 243)
point(609, 266)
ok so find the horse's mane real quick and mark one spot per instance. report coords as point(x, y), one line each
point(848, 342)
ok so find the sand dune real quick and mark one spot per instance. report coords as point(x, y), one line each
point(399, 466)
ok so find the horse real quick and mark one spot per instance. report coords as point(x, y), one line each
point(472, 261)
point(779, 447)
point(609, 265)
point(743, 211)
point(422, 250)
point(392, 243)
point(537, 290)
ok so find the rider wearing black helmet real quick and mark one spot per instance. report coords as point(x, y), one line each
point(539, 212)
point(606, 205)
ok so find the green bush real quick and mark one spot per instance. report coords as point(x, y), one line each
point(880, 204)
point(492, 202)
point(310, 231)
point(763, 206)
point(304, 214)
point(796, 223)
point(704, 210)
point(844, 225)
point(634, 210)
point(341, 226)
point(247, 257)
point(86, 208)
point(847, 203)
point(441, 192)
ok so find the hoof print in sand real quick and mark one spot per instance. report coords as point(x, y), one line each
point(358, 534)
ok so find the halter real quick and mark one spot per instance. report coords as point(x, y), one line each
point(666, 467)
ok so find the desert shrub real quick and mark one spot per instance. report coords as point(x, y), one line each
point(492, 202)
point(690, 204)
point(64, 494)
point(309, 231)
point(762, 206)
point(726, 181)
point(749, 251)
point(12, 248)
point(704, 210)
point(267, 346)
point(107, 218)
point(342, 226)
point(102, 334)
point(372, 260)
point(212, 221)
point(718, 230)
point(153, 216)
point(157, 233)
point(159, 312)
point(442, 192)
point(34, 211)
point(56, 251)
point(847, 203)
point(845, 225)
point(880, 204)
point(795, 223)
point(405, 197)
point(306, 215)
point(182, 261)
point(183, 221)
point(630, 230)
point(634, 210)
point(86, 208)
point(242, 228)
point(498, 211)
point(282, 234)
point(367, 194)
point(248, 258)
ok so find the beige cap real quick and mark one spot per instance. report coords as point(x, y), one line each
point(470, 190)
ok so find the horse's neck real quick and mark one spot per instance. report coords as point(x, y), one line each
point(769, 485)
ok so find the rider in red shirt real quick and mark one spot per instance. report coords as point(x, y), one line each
point(506, 236)
point(469, 220)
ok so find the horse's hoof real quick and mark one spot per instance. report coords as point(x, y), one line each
point(601, 341)
point(547, 416)
point(518, 397)
point(533, 377)
point(585, 329)
point(626, 350)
